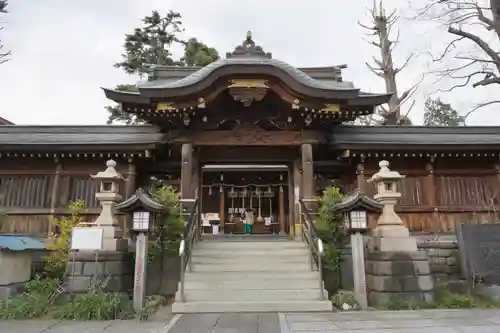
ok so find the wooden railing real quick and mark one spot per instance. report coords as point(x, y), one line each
point(187, 242)
point(314, 243)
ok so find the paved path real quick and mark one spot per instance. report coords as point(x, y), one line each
point(227, 323)
point(423, 321)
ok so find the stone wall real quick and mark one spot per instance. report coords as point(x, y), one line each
point(441, 249)
point(86, 269)
point(163, 280)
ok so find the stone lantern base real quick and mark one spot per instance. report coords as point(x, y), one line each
point(115, 267)
point(398, 276)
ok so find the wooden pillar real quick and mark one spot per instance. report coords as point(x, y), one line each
point(360, 176)
point(282, 209)
point(222, 209)
point(307, 172)
point(131, 175)
point(497, 169)
point(430, 193)
point(129, 191)
point(297, 188)
point(55, 194)
point(291, 204)
point(308, 175)
point(195, 176)
point(186, 171)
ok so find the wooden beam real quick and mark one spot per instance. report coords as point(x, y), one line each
point(250, 136)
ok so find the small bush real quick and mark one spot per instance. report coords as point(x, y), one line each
point(446, 299)
point(57, 260)
point(151, 305)
point(95, 306)
point(33, 303)
point(345, 297)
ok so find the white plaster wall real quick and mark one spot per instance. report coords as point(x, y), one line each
point(15, 267)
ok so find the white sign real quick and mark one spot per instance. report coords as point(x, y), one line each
point(86, 239)
point(358, 266)
point(140, 270)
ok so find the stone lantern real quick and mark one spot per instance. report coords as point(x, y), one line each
point(390, 233)
point(108, 196)
point(395, 268)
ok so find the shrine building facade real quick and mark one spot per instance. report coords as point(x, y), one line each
point(250, 131)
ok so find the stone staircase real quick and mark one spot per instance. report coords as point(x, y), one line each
point(250, 274)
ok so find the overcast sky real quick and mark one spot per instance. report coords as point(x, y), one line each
point(64, 51)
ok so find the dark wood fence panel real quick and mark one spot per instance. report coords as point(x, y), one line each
point(411, 188)
point(83, 188)
point(27, 191)
point(459, 190)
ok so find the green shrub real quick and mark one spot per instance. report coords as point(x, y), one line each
point(342, 297)
point(33, 303)
point(94, 306)
point(57, 260)
point(330, 229)
point(169, 224)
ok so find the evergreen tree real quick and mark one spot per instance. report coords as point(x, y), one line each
point(438, 113)
point(198, 54)
point(151, 45)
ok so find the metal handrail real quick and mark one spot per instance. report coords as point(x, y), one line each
point(186, 245)
point(315, 244)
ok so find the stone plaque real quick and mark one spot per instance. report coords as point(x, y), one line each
point(479, 246)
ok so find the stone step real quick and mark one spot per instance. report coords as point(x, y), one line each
point(238, 252)
point(244, 238)
point(291, 282)
point(250, 276)
point(251, 306)
point(251, 267)
point(235, 295)
point(249, 245)
point(276, 260)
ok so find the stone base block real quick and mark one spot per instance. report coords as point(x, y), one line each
point(11, 290)
point(113, 271)
point(376, 298)
point(405, 276)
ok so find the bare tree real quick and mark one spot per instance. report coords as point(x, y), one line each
point(4, 55)
point(471, 57)
point(380, 28)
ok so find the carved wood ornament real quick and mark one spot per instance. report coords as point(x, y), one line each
point(251, 135)
point(248, 91)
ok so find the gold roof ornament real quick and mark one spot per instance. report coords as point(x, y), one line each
point(248, 83)
point(333, 108)
point(165, 106)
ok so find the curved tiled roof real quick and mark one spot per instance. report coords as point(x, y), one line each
point(247, 59)
point(98, 136)
point(206, 71)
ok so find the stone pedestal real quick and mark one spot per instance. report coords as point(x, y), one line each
point(395, 267)
point(108, 197)
point(85, 269)
point(404, 276)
